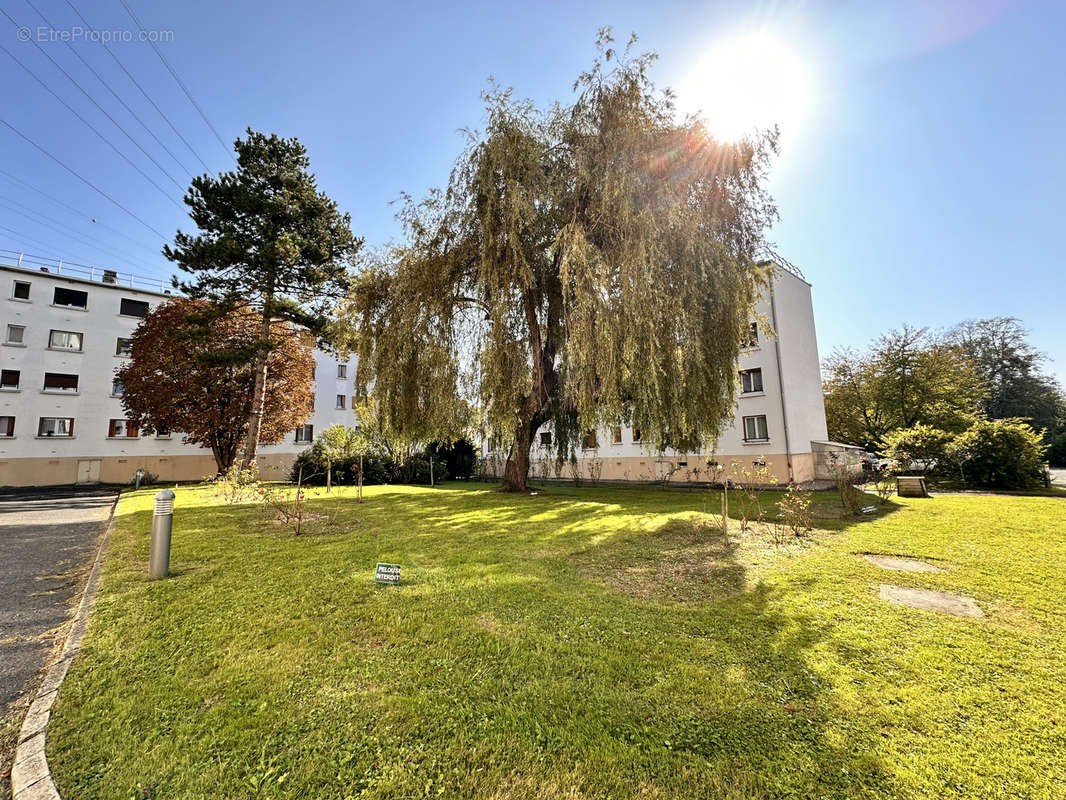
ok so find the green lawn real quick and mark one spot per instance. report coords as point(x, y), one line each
point(581, 643)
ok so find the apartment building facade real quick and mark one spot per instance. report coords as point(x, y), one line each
point(778, 430)
point(62, 337)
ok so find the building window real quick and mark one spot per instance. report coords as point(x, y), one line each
point(755, 429)
point(123, 347)
point(133, 308)
point(340, 401)
point(60, 382)
point(70, 298)
point(162, 432)
point(753, 335)
point(16, 334)
point(64, 340)
point(21, 290)
point(546, 438)
point(7, 427)
point(56, 426)
point(9, 379)
point(122, 429)
point(616, 435)
point(751, 381)
point(305, 434)
point(637, 435)
point(117, 389)
point(342, 371)
point(588, 441)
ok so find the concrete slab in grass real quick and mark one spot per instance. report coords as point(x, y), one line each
point(958, 604)
point(901, 564)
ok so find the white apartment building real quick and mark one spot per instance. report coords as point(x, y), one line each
point(779, 421)
point(63, 333)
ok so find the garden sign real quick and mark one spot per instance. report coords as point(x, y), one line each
point(387, 573)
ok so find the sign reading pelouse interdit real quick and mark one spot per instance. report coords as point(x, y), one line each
point(387, 573)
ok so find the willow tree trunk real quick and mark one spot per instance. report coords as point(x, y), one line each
point(516, 471)
point(255, 419)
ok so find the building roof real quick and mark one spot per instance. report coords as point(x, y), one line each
point(82, 273)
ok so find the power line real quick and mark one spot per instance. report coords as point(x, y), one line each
point(114, 94)
point(64, 229)
point(75, 211)
point(87, 182)
point(136, 83)
point(174, 75)
point(90, 98)
point(23, 237)
point(88, 124)
point(82, 240)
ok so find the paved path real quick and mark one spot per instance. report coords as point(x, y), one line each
point(47, 543)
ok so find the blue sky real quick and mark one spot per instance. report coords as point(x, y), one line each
point(923, 183)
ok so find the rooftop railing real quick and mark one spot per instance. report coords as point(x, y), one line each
point(72, 269)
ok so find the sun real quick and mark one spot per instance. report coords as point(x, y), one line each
point(750, 82)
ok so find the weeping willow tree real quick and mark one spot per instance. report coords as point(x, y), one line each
point(588, 264)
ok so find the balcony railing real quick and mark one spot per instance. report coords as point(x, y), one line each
point(73, 269)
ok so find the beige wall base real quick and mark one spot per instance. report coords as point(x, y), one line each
point(675, 469)
point(61, 471)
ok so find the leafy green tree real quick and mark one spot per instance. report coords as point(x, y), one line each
point(338, 443)
point(921, 443)
point(906, 377)
point(268, 241)
point(1000, 453)
point(592, 263)
point(1009, 365)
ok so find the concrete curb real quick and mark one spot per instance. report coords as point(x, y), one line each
point(31, 779)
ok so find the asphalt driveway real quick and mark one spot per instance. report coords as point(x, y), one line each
point(47, 543)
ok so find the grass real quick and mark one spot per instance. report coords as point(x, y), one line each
point(602, 643)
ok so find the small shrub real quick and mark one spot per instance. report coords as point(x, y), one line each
point(884, 484)
point(748, 483)
point(237, 485)
point(850, 495)
point(795, 511)
point(147, 479)
point(1000, 453)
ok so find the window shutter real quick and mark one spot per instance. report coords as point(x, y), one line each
point(111, 427)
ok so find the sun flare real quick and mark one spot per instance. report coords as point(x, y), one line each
point(748, 82)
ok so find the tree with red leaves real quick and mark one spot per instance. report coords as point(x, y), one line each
point(193, 371)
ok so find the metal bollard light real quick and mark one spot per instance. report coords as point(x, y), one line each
point(162, 522)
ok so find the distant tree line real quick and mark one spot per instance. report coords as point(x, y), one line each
point(916, 390)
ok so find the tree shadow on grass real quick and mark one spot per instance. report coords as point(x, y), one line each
point(713, 697)
point(515, 666)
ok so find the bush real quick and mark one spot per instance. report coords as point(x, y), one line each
point(237, 485)
point(850, 495)
point(922, 443)
point(460, 458)
point(378, 468)
point(796, 514)
point(1056, 454)
point(1000, 453)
